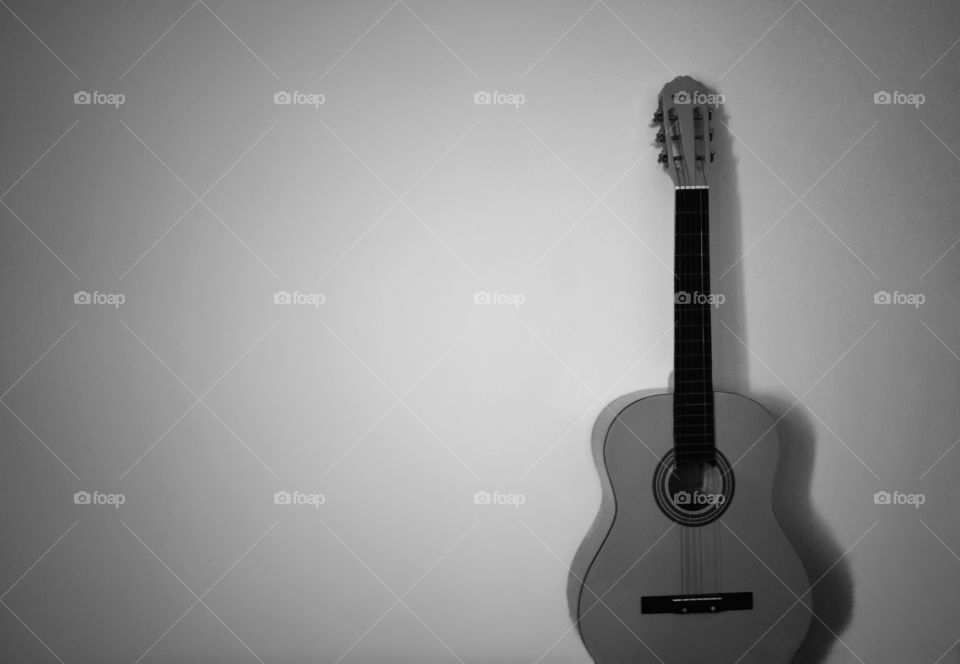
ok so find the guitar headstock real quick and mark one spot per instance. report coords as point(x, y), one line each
point(684, 114)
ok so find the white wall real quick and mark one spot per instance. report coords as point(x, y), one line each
point(398, 397)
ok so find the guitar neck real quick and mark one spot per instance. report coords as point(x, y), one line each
point(692, 362)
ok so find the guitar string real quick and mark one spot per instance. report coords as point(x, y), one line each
point(685, 549)
point(684, 261)
point(679, 266)
point(704, 330)
point(702, 359)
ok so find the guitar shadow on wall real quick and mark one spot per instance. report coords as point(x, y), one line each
point(811, 537)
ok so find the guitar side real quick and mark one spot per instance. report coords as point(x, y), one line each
point(640, 554)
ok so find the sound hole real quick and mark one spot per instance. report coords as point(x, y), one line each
point(695, 493)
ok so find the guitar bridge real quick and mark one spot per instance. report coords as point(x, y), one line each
point(706, 603)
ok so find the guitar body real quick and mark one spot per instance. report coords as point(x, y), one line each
point(646, 553)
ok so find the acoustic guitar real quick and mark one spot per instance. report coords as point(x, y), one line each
point(694, 568)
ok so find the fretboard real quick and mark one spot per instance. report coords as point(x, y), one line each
point(692, 362)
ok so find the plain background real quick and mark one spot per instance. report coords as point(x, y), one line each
point(398, 199)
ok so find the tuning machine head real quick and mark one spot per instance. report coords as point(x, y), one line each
point(684, 131)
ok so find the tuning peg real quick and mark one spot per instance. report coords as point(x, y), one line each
point(662, 158)
point(657, 116)
point(712, 155)
point(660, 137)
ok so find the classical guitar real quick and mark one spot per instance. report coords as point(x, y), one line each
point(694, 567)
